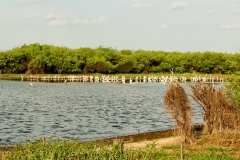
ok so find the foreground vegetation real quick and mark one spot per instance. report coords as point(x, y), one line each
point(221, 112)
point(65, 149)
point(37, 58)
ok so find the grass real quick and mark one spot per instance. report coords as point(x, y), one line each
point(56, 149)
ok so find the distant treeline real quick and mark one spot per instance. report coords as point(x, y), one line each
point(37, 58)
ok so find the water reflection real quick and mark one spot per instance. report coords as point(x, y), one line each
point(86, 110)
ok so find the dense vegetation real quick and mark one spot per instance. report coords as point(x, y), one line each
point(37, 58)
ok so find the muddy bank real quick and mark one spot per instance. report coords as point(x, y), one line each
point(151, 135)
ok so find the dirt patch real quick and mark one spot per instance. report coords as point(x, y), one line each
point(158, 143)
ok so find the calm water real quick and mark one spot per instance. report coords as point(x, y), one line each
point(88, 111)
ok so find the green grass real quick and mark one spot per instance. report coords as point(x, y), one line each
point(56, 149)
point(171, 147)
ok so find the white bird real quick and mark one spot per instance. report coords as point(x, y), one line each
point(31, 84)
point(65, 81)
point(130, 80)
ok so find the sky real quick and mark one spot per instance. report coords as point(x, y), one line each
point(166, 25)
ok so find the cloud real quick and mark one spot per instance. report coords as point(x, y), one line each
point(29, 16)
point(139, 5)
point(31, 1)
point(232, 6)
point(28, 32)
point(164, 26)
point(230, 26)
point(60, 20)
point(51, 17)
point(179, 5)
point(56, 20)
point(212, 11)
point(84, 21)
point(235, 10)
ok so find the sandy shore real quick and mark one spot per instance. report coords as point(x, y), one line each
point(158, 143)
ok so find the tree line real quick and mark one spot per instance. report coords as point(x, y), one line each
point(45, 58)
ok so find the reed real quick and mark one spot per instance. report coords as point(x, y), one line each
point(178, 105)
point(220, 114)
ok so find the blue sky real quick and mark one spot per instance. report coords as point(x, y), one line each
point(194, 25)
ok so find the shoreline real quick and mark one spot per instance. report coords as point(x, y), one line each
point(118, 79)
point(149, 136)
point(134, 138)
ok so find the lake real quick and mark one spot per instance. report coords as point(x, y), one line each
point(89, 111)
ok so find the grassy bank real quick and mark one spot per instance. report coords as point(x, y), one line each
point(224, 146)
point(59, 149)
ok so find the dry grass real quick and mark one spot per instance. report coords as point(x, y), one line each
point(178, 105)
point(221, 130)
point(220, 114)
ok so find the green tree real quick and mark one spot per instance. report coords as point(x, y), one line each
point(125, 65)
point(2, 61)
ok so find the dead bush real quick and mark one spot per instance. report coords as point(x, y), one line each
point(178, 105)
point(219, 113)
